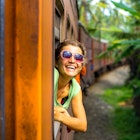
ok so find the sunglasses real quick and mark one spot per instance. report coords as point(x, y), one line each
point(67, 55)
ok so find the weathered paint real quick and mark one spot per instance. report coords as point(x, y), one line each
point(28, 69)
point(47, 68)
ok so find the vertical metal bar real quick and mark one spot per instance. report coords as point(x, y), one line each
point(2, 69)
point(47, 43)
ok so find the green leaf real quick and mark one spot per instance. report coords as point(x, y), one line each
point(124, 43)
point(127, 51)
point(137, 47)
point(126, 8)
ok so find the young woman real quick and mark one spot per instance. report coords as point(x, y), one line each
point(70, 57)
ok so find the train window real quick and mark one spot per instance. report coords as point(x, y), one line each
point(59, 6)
point(57, 24)
point(59, 14)
point(68, 31)
point(56, 42)
point(72, 34)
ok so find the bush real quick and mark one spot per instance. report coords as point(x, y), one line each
point(124, 120)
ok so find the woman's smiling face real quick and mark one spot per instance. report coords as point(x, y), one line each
point(69, 67)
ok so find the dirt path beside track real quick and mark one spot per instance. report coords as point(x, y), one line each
point(97, 110)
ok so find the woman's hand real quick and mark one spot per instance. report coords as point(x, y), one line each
point(60, 113)
point(77, 121)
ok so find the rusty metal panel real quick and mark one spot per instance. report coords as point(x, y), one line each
point(28, 78)
point(27, 71)
point(9, 44)
point(47, 68)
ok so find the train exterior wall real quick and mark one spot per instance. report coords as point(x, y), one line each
point(87, 41)
point(66, 19)
point(28, 70)
point(94, 47)
point(96, 50)
point(71, 16)
point(100, 64)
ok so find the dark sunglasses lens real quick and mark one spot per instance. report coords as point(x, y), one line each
point(79, 57)
point(67, 54)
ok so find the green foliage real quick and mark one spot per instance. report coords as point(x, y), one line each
point(133, 61)
point(135, 85)
point(117, 94)
point(123, 33)
point(135, 43)
point(131, 41)
point(124, 120)
point(95, 18)
point(126, 123)
point(121, 49)
point(126, 8)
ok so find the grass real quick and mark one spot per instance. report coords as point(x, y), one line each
point(124, 120)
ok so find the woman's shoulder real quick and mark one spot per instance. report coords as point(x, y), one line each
point(56, 73)
point(75, 86)
point(55, 70)
point(74, 82)
point(56, 76)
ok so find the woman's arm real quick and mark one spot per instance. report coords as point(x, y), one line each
point(78, 121)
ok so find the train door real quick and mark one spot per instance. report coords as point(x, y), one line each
point(26, 69)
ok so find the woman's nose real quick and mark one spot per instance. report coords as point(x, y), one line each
point(72, 59)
